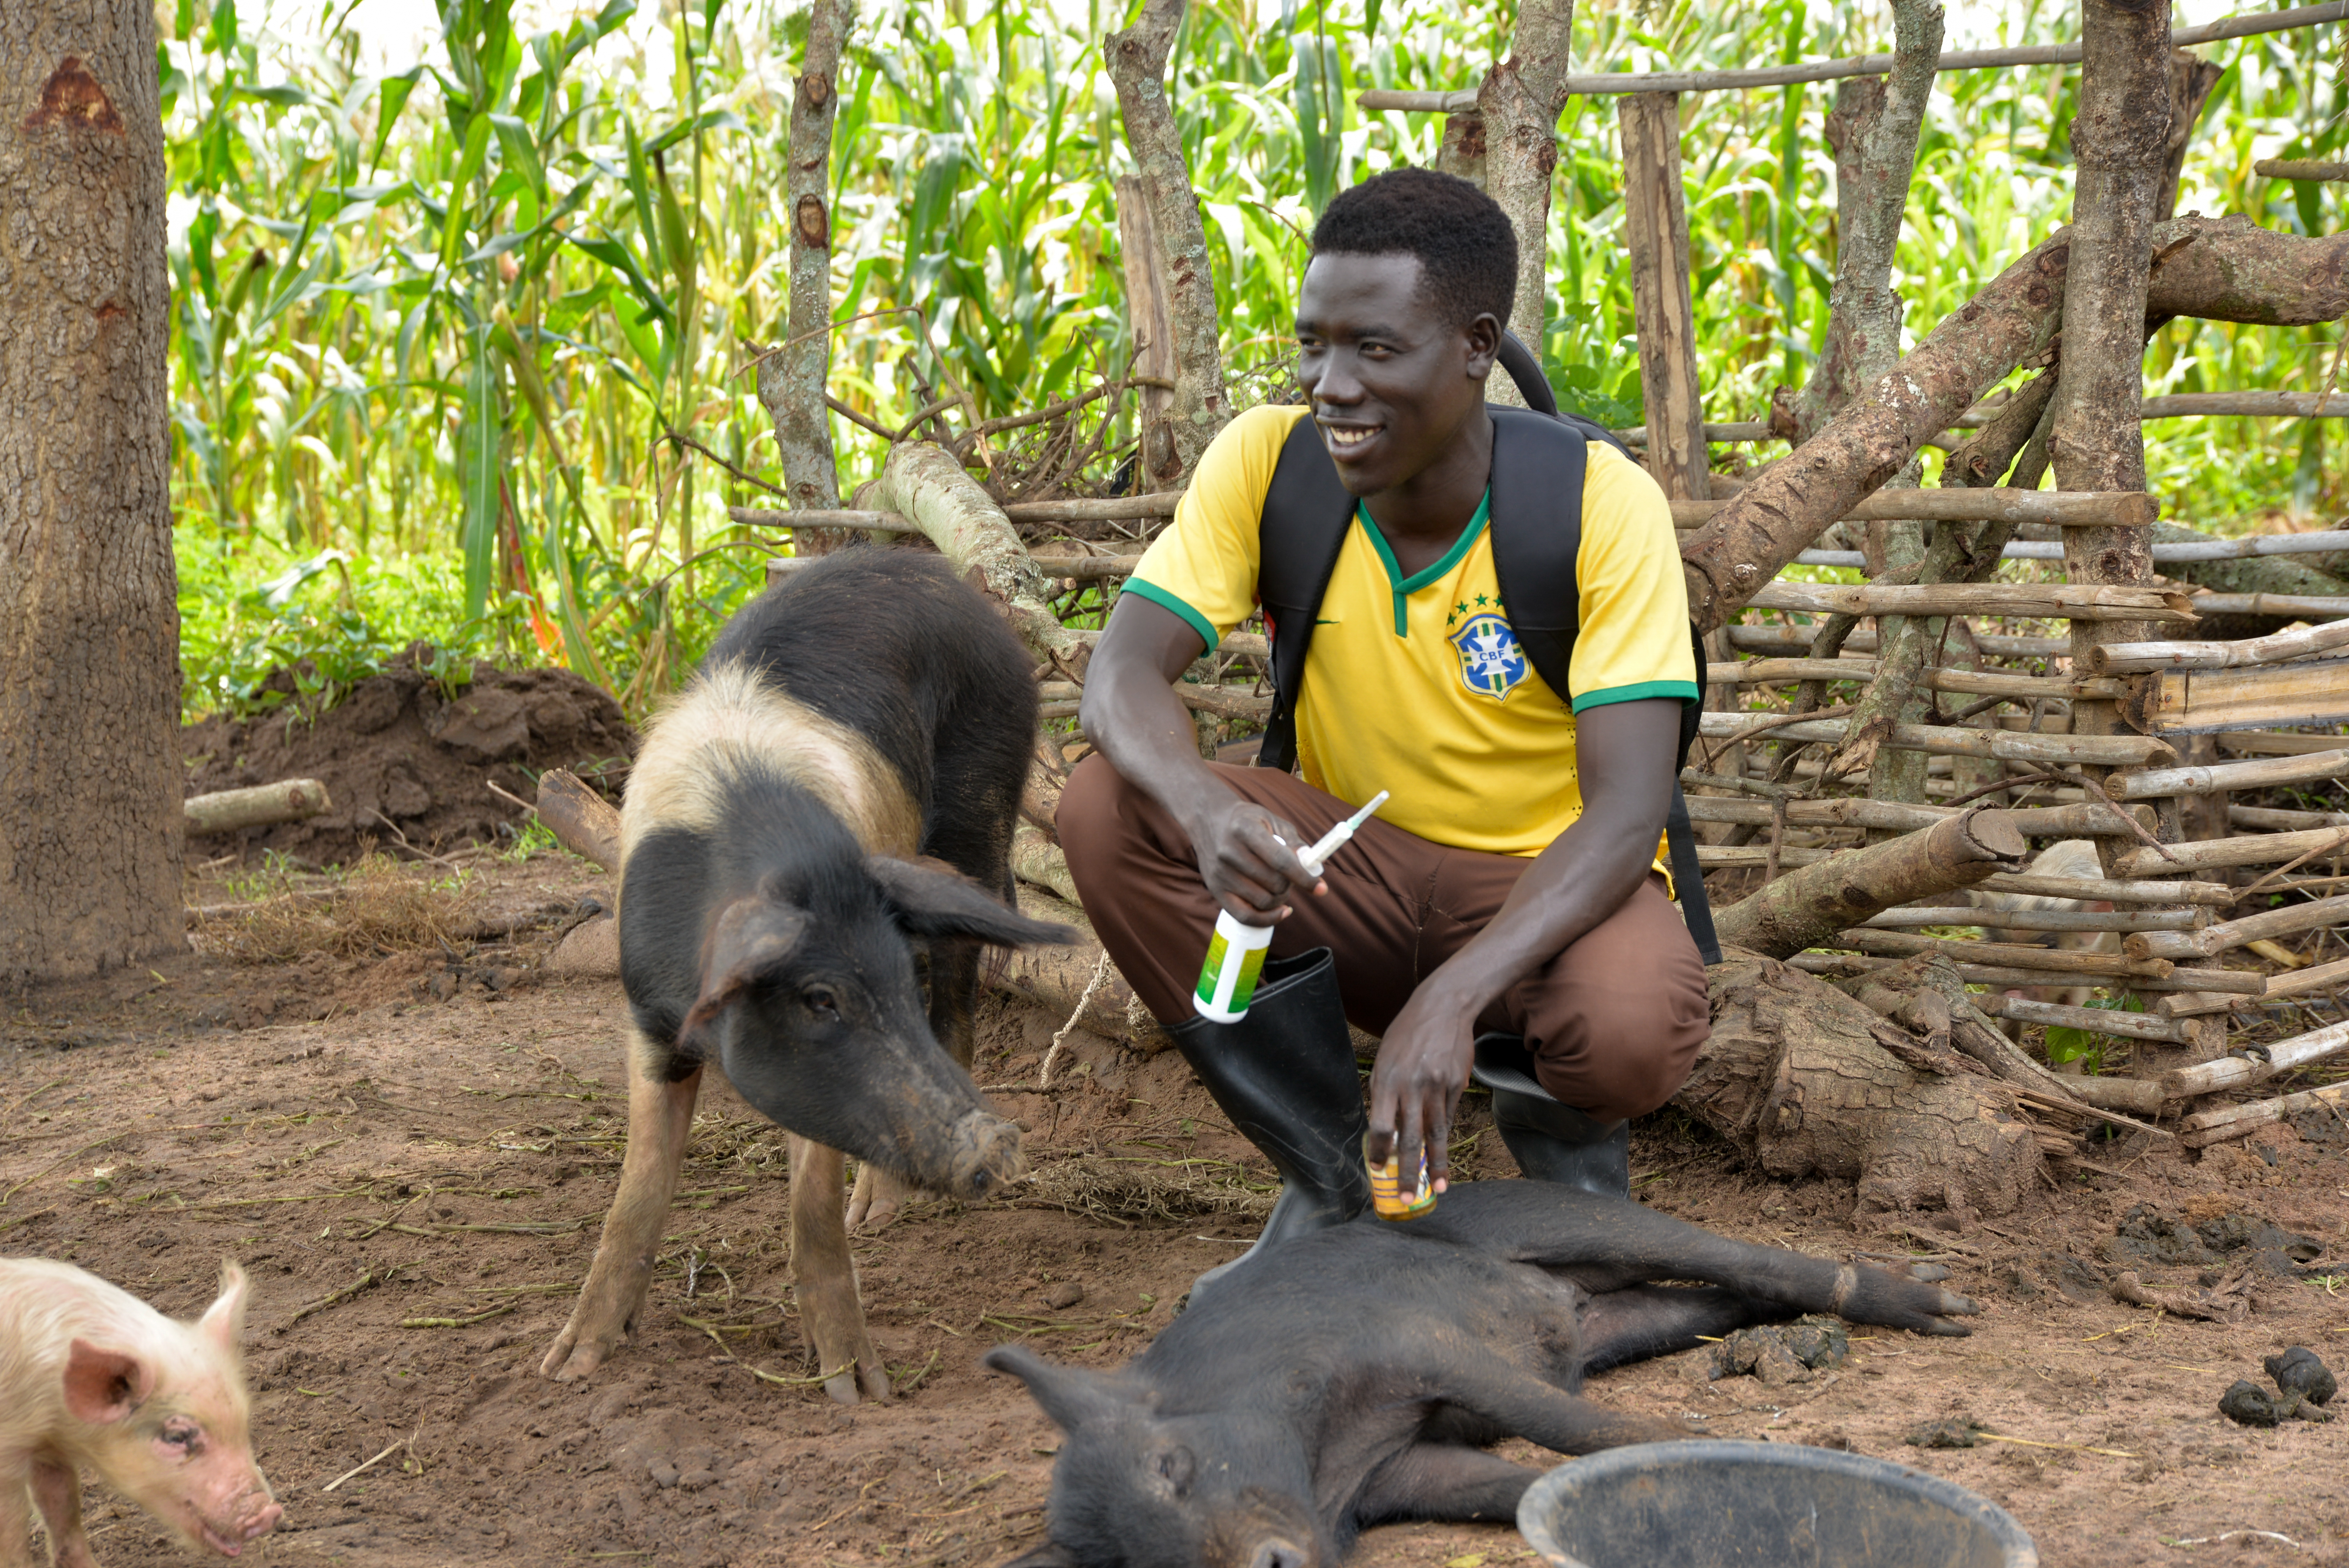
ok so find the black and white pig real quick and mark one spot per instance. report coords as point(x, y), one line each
point(831, 799)
point(1352, 1378)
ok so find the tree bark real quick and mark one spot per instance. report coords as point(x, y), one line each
point(1520, 100)
point(89, 625)
point(792, 383)
point(1810, 904)
point(262, 805)
point(2214, 270)
point(1655, 228)
point(1874, 132)
point(2191, 78)
point(1150, 321)
point(1462, 151)
point(580, 821)
point(1805, 1080)
point(1137, 65)
point(2120, 139)
point(922, 480)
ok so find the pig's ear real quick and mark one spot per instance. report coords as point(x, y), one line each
point(222, 1323)
point(1069, 1394)
point(752, 940)
point(933, 901)
point(102, 1386)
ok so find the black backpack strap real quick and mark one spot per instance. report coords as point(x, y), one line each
point(1307, 511)
point(1539, 465)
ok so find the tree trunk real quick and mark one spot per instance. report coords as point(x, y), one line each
point(1809, 905)
point(1655, 228)
point(1520, 100)
point(2095, 441)
point(2215, 270)
point(792, 383)
point(1874, 131)
point(1462, 151)
point(1150, 321)
point(1137, 64)
point(2191, 78)
point(89, 622)
point(1807, 1081)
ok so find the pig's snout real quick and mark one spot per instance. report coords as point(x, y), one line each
point(1279, 1554)
point(243, 1522)
point(983, 1156)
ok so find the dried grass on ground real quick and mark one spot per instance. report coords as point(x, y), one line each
point(377, 907)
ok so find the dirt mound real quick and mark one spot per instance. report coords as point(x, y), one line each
point(400, 746)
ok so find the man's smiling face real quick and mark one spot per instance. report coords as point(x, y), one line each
point(1390, 379)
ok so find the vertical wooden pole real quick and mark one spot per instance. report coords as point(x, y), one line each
point(1655, 229)
point(1153, 323)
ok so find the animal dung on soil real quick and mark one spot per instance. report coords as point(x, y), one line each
point(2303, 1384)
point(1952, 1433)
point(2299, 1369)
point(2146, 1237)
point(1782, 1353)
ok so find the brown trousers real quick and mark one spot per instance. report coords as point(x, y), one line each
point(1614, 1022)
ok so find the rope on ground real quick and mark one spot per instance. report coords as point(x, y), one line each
point(1101, 973)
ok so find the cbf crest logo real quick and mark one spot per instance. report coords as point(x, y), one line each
point(1491, 661)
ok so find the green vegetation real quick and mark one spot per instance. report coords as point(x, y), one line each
point(459, 352)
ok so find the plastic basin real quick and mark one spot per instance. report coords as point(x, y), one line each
point(1711, 1503)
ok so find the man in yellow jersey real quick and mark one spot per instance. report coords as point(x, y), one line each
point(1511, 887)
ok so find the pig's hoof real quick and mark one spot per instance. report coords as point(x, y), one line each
point(1929, 1273)
point(576, 1353)
point(863, 1380)
point(878, 1200)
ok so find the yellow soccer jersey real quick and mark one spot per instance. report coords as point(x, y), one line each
point(1416, 685)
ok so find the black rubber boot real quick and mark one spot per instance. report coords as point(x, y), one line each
point(1552, 1141)
point(1285, 1075)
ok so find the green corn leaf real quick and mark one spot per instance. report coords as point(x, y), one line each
point(520, 152)
point(478, 439)
point(469, 165)
point(640, 188)
point(221, 37)
point(709, 119)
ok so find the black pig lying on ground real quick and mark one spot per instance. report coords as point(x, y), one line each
point(1350, 1377)
point(831, 796)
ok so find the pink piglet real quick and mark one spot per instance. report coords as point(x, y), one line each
point(90, 1375)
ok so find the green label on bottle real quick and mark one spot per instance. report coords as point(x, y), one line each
point(1213, 969)
point(1251, 966)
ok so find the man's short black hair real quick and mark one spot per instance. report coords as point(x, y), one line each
point(1467, 251)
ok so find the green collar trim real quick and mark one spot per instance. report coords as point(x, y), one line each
point(1403, 587)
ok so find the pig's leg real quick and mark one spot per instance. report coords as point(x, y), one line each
point(1606, 1245)
point(660, 1116)
point(1443, 1481)
point(15, 1514)
point(1504, 1394)
point(1650, 1320)
point(825, 1276)
point(57, 1489)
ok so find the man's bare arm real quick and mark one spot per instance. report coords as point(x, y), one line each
point(1625, 751)
point(1133, 719)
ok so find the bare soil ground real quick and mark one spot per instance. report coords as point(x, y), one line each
point(412, 1150)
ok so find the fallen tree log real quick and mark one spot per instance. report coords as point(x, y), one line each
point(259, 806)
point(2034, 600)
point(2234, 981)
point(580, 821)
point(2206, 779)
point(2244, 849)
point(1806, 906)
point(1947, 740)
point(1906, 945)
point(2243, 1071)
point(2212, 940)
point(2238, 1122)
point(929, 485)
point(1796, 1075)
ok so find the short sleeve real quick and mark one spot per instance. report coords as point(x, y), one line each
point(1634, 638)
point(1204, 567)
